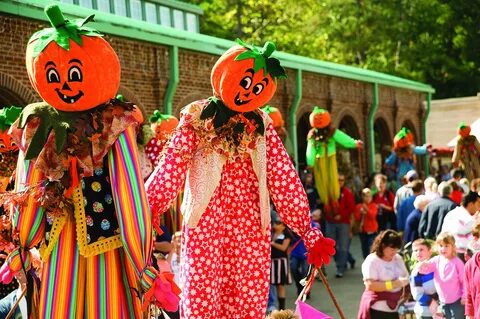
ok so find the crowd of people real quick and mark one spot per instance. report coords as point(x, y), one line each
point(418, 244)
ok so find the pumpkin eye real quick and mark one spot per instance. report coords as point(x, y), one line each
point(13, 144)
point(52, 76)
point(74, 74)
point(246, 82)
point(258, 89)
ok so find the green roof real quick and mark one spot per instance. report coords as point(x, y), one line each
point(140, 30)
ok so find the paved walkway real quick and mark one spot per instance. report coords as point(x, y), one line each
point(347, 289)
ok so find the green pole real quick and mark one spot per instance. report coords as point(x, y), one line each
point(173, 81)
point(292, 116)
point(426, 159)
point(370, 132)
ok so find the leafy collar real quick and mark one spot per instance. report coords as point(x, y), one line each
point(221, 115)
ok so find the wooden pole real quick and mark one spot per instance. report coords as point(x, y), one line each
point(330, 292)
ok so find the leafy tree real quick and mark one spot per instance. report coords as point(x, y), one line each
point(433, 41)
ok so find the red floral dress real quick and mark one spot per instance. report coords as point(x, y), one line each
point(226, 257)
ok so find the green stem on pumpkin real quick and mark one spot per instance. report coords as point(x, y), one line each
point(55, 16)
point(268, 49)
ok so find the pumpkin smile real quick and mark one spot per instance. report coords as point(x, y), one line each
point(69, 99)
point(238, 101)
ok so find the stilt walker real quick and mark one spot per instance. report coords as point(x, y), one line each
point(322, 143)
point(79, 190)
point(467, 152)
point(227, 153)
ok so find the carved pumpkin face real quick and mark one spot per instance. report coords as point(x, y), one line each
point(464, 131)
point(237, 85)
point(77, 79)
point(403, 139)
point(320, 118)
point(6, 143)
point(164, 127)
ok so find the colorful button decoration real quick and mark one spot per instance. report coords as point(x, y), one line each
point(98, 207)
point(108, 199)
point(105, 224)
point(89, 221)
point(88, 238)
point(99, 172)
point(83, 184)
point(85, 201)
point(96, 186)
point(50, 218)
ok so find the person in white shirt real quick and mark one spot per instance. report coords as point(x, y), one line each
point(460, 222)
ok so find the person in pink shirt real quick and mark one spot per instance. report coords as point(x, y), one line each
point(448, 276)
point(472, 287)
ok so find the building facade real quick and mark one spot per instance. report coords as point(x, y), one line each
point(168, 66)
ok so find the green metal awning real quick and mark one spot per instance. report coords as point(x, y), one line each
point(144, 31)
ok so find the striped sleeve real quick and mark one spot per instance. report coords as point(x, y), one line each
point(131, 204)
point(27, 219)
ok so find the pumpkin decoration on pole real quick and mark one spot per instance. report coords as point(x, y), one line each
point(404, 149)
point(78, 190)
point(229, 160)
point(162, 126)
point(467, 152)
point(322, 143)
point(277, 121)
point(8, 147)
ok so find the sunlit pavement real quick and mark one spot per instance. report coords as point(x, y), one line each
point(347, 289)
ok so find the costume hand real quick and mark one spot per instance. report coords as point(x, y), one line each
point(164, 292)
point(321, 252)
point(359, 144)
point(13, 264)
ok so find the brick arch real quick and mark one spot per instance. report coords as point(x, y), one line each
point(18, 93)
point(348, 112)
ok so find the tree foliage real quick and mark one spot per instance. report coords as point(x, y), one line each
point(432, 41)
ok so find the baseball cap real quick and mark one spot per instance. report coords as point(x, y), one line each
point(411, 175)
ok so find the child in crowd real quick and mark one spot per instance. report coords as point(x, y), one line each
point(174, 258)
point(448, 272)
point(422, 285)
point(366, 214)
point(280, 270)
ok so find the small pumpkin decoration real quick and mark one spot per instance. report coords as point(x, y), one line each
point(275, 115)
point(464, 130)
point(67, 64)
point(163, 125)
point(8, 116)
point(136, 112)
point(244, 78)
point(320, 118)
point(403, 139)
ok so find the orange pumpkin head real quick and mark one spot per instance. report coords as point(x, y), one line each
point(275, 115)
point(404, 138)
point(163, 125)
point(71, 66)
point(464, 130)
point(320, 118)
point(8, 116)
point(244, 77)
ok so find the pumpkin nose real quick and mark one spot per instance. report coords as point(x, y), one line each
point(66, 87)
point(246, 94)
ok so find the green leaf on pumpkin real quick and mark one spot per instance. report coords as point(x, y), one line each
point(262, 59)
point(62, 32)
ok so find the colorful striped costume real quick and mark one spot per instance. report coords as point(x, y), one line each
point(85, 276)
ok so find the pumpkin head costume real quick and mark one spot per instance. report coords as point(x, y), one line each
point(227, 154)
point(78, 190)
point(467, 152)
point(402, 158)
point(162, 126)
point(322, 143)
